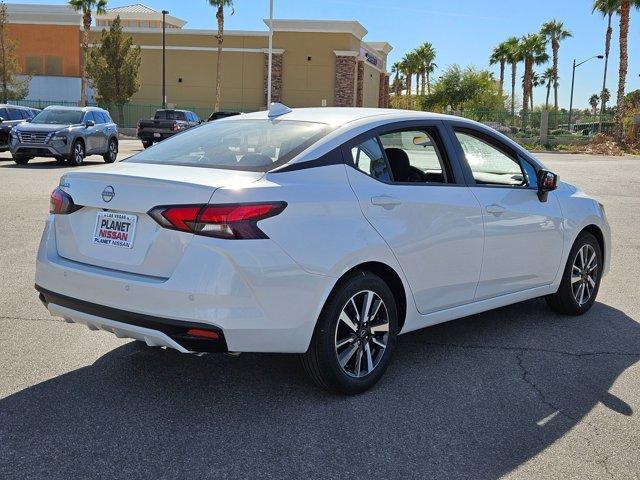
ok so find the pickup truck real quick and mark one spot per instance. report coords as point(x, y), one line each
point(165, 123)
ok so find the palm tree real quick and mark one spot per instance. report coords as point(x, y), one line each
point(500, 55)
point(426, 55)
point(409, 67)
point(536, 81)
point(607, 8)
point(555, 32)
point(532, 51)
point(86, 7)
point(547, 79)
point(625, 13)
point(512, 44)
point(219, 5)
point(593, 101)
point(395, 83)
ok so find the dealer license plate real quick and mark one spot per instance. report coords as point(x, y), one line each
point(115, 229)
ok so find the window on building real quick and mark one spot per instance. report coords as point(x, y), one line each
point(33, 65)
point(52, 65)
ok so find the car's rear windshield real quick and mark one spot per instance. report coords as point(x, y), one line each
point(59, 117)
point(169, 115)
point(251, 145)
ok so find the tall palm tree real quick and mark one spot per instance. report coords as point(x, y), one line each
point(547, 79)
point(396, 69)
point(86, 7)
point(555, 32)
point(500, 56)
point(593, 101)
point(625, 13)
point(607, 8)
point(219, 5)
point(426, 55)
point(514, 57)
point(532, 50)
point(536, 81)
point(409, 67)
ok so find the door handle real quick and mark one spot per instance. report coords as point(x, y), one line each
point(495, 209)
point(385, 201)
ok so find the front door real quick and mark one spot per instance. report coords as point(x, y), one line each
point(431, 220)
point(523, 235)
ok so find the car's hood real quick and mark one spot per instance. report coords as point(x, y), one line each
point(42, 127)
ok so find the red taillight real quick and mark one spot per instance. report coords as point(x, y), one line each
point(61, 203)
point(232, 221)
point(198, 332)
point(175, 127)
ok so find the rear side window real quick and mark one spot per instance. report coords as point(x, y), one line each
point(250, 145)
point(107, 117)
point(4, 114)
point(100, 117)
point(25, 114)
point(414, 156)
point(369, 158)
point(14, 114)
point(169, 115)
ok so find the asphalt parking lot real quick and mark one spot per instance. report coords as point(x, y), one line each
point(518, 392)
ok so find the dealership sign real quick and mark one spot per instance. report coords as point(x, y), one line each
point(370, 57)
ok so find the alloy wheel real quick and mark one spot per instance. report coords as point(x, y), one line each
point(78, 153)
point(362, 333)
point(113, 150)
point(584, 274)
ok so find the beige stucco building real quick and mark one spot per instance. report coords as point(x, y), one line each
point(315, 62)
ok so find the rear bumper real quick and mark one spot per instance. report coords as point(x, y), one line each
point(149, 136)
point(251, 292)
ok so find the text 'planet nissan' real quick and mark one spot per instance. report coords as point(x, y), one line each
point(322, 231)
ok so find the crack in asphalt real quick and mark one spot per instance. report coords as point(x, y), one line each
point(601, 457)
point(523, 349)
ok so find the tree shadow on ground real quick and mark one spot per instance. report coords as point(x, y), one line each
point(473, 398)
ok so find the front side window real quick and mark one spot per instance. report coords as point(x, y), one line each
point(414, 157)
point(368, 158)
point(488, 164)
point(59, 117)
point(15, 114)
point(250, 145)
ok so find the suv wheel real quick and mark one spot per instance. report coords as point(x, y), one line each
point(355, 336)
point(21, 160)
point(112, 151)
point(76, 158)
point(580, 279)
point(147, 143)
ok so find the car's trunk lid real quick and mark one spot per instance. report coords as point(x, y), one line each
point(124, 193)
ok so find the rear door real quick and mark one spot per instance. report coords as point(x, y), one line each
point(523, 236)
point(417, 201)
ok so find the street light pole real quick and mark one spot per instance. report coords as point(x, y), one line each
point(270, 54)
point(573, 77)
point(164, 55)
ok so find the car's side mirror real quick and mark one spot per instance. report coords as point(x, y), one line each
point(547, 182)
point(89, 123)
point(1, 119)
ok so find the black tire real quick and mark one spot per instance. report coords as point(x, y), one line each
point(321, 360)
point(112, 151)
point(76, 157)
point(147, 143)
point(568, 300)
point(21, 160)
point(61, 160)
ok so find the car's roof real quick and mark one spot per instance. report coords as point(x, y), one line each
point(5, 105)
point(337, 116)
point(75, 109)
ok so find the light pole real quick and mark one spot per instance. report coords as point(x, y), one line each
point(573, 77)
point(270, 54)
point(164, 55)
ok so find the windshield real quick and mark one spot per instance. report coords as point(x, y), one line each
point(252, 145)
point(59, 117)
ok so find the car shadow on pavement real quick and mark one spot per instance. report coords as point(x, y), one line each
point(49, 165)
point(474, 398)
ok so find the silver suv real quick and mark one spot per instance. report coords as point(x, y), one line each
point(65, 133)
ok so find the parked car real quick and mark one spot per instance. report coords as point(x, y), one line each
point(326, 233)
point(165, 124)
point(10, 116)
point(66, 133)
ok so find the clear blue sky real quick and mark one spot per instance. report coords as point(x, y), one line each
point(462, 31)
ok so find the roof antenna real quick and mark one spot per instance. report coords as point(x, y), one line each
point(277, 109)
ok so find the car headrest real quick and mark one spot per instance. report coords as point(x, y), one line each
point(399, 163)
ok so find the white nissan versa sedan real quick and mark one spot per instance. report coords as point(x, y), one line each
point(320, 231)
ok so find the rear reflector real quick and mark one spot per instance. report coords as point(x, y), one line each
point(198, 332)
point(61, 203)
point(229, 221)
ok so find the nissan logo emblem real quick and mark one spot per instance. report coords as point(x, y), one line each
point(108, 193)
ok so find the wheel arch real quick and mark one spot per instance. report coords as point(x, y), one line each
point(390, 277)
point(595, 230)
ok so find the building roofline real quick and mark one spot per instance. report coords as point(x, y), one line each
point(325, 26)
point(42, 14)
point(384, 47)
